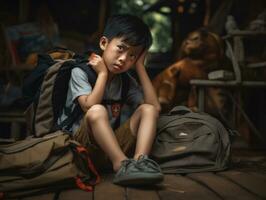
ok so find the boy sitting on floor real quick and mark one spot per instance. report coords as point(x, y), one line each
point(124, 44)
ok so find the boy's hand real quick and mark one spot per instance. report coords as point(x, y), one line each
point(141, 60)
point(97, 64)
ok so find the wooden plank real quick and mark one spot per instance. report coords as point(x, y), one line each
point(258, 175)
point(49, 196)
point(75, 194)
point(223, 187)
point(251, 183)
point(107, 190)
point(142, 193)
point(183, 188)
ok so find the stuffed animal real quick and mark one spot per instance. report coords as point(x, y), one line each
point(199, 53)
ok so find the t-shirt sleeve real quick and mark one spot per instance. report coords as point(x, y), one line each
point(135, 94)
point(79, 84)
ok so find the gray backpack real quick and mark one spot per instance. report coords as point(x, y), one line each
point(191, 142)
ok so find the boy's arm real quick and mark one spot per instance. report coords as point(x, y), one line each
point(150, 96)
point(96, 95)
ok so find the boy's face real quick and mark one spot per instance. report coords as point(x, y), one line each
point(118, 55)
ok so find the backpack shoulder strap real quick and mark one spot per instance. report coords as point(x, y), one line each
point(91, 74)
point(92, 77)
point(77, 111)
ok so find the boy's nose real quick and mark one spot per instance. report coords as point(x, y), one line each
point(122, 57)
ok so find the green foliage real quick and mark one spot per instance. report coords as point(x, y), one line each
point(160, 25)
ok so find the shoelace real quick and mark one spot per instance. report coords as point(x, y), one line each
point(145, 161)
point(126, 163)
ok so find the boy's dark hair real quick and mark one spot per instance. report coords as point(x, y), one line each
point(134, 31)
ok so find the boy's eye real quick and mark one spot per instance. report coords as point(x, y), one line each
point(120, 48)
point(133, 56)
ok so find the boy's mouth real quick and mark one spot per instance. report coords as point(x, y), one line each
point(117, 67)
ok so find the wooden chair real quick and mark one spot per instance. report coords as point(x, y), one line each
point(236, 56)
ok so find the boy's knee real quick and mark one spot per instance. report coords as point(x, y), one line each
point(96, 112)
point(148, 109)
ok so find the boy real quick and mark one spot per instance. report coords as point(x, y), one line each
point(124, 43)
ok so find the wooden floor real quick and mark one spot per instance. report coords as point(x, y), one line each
point(245, 180)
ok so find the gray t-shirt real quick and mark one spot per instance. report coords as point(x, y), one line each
point(79, 85)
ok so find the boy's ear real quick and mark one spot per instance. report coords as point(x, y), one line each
point(103, 42)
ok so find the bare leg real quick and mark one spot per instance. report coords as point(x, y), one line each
point(98, 121)
point(143, 125)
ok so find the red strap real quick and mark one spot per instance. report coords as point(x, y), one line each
point(82, 149)
point(83, 186)
point(92, 168)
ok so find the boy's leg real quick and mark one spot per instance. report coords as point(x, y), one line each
point(97, 119)
point(143, 125)
point(140, 170)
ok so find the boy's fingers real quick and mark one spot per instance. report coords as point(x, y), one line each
point(91, 62)
point(92, 55)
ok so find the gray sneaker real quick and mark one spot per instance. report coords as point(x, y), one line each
point(148, 165)
point(144, 171)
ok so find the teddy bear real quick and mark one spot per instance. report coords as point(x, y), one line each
point(200, 52)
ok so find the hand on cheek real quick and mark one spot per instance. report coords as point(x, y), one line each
point(141, 59)
point(97, 63)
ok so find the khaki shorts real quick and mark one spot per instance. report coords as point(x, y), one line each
point(124, 136)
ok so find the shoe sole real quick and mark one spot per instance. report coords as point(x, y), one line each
point(139, 179)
